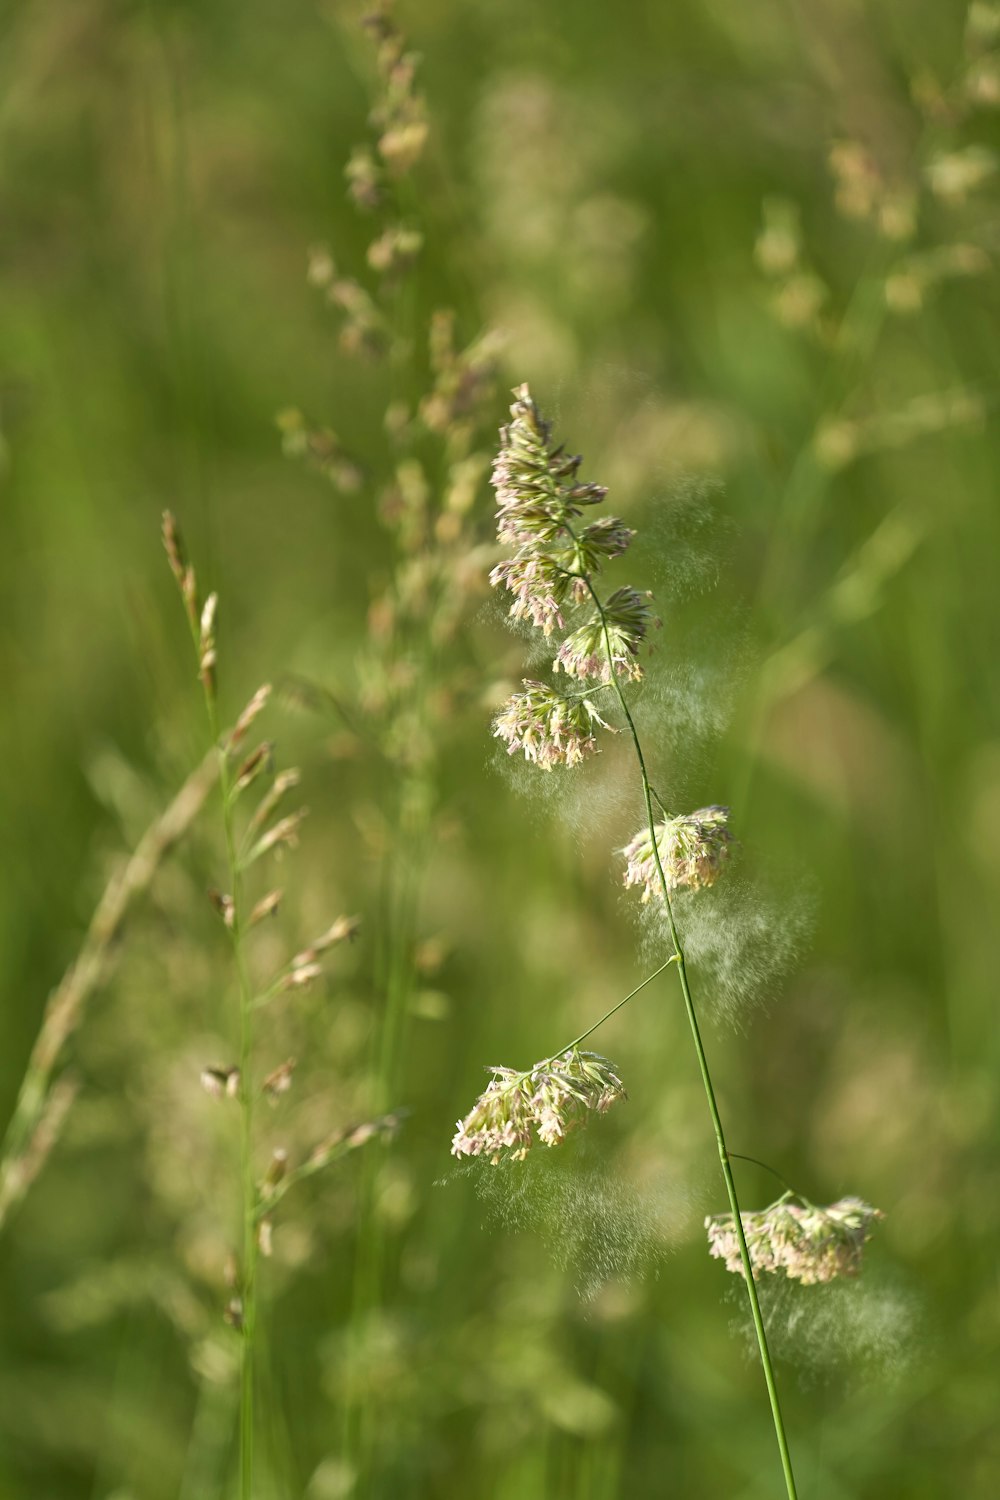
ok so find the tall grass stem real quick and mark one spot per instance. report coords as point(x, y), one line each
point(248, 1290)
point(706, 1077)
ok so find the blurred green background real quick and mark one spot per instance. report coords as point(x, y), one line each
point(783, 362)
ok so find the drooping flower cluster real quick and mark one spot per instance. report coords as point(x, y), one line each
point(607, 642)
point(808, 1243)
point(549, 728)
point(540, 499)
point(693, 850)
point(549, 1099)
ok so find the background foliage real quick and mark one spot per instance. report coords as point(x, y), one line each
point(804, 433)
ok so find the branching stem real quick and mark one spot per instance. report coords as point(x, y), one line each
point(706, 1077)
point(609, 1013)
point(517, 1079)
point(789, 1190)
point(43, 1097)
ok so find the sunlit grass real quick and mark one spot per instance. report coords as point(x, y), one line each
point(749, 266)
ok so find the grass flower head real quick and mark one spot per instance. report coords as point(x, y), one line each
point(608, 641)
point(540, 499)
point(546, 1102)
point(691, 850)
point(549, 727)
point(809, 1244)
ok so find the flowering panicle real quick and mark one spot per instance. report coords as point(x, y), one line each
point(808, 1243)
point(608, 641)
point(464, 379)
point(245, 774)
point(536, 485)
point(427, 479)
point(321, 448)
point(550, 1098)
point(540, 588)
point(550, 574)
point(374, 172)
point(549, 728)
point(540, 497)
point(400, 114)
point(693, 850)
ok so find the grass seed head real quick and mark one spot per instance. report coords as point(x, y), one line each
point(550, 1099)
point(809, 1244)
point(692, 852)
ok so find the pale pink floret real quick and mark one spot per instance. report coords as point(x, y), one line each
point(551, 1098)
point(693, 850)
point(534, 584)
point(547, 728)
point(808, 1243)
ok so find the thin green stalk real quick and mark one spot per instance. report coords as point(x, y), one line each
point(609, 1013)
point(515, 1081)
point(208, 1445)
point(706, 1077)
point(789, 1190)
point(248, 1289)
point(403, 863)
point(201, 619)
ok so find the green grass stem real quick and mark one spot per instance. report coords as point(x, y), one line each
point(706, 1077)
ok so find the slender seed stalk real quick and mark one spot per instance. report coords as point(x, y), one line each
point(201, 624)
point(706, 1077)
point(609, 1013)
point(789, 1190)
point(248, 1290)
point(561, 1052)
point(261, 835)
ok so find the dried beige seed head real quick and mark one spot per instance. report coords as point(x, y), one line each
point(265, 907)
point(223, 904)
point(221, 1083)
point(252, 711)
point(280, 1081)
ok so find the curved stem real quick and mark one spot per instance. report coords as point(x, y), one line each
point(609, 1013)
point(659, 801)
point(740, 1156)
point(706, 1077)
point(516, 1079)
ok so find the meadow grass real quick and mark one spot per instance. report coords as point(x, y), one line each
point(750, 265)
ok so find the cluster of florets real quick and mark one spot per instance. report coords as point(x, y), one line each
point(601, 644)
point(691, 851)
point(547, 727)
point(540, 498)
point(537, 488)
point(399, 116)
point(540, 587)
point(545, 1102)
point(809, 1244)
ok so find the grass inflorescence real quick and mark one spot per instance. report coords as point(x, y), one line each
point(554, 576)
